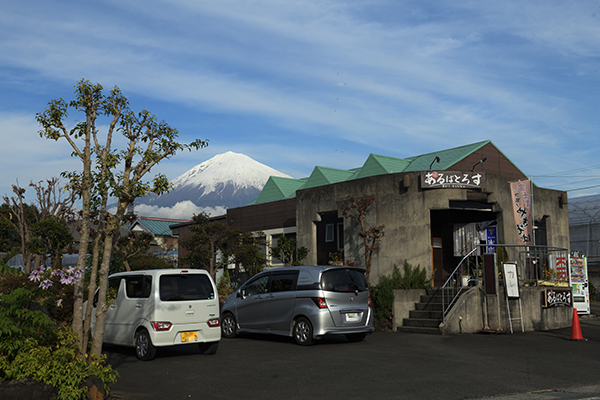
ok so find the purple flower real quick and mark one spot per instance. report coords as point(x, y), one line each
point(59, 303)
point(35, 275)
point(67, 280)
point(45, 284)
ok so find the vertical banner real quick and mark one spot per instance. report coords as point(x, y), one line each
point(491, 237)
point(521, 196)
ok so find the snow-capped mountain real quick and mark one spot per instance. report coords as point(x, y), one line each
point(227, 180)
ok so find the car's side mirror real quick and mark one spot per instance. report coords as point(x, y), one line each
point(242, 294)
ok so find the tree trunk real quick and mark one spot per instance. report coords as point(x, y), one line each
point(103, 278)
point(86, 195)
point(91, 290)
point(112, 231)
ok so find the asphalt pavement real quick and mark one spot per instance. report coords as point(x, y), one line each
point(518, 366)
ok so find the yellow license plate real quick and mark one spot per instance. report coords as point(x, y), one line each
point(189, 336)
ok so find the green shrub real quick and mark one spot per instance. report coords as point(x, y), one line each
point(60, 365)
point(382, 294)
point(34, 346)
point(22, 318)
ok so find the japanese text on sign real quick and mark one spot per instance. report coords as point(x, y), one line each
point(557, 298)
point(521, 196)
point(452, 179)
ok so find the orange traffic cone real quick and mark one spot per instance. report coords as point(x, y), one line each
point(575, 328)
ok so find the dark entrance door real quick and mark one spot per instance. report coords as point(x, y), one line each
point(442, 233)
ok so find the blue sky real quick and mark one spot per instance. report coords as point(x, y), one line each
point(312, 82)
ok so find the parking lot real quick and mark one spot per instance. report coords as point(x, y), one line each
point(385, 365)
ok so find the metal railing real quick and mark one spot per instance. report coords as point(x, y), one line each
point(535, 265)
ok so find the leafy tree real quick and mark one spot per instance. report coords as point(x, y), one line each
point(357, 209)
point(50, 236)
point(285, 249)
point(135, 243)
point(207, 240)
point(90, 100)
point(116, 174)
point(248, 252)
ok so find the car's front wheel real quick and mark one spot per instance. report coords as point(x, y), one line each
point(228, 326)
point(303, 332)
point(208, 348)
point(144, 349)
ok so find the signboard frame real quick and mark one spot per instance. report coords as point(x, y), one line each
point(511, 280)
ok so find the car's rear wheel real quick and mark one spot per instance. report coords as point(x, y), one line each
point(208, 348)
point(303, 332)
point(356, 337)
point(228, 326)
point(144, 349)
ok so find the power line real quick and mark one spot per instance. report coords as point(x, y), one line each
point(568, 172)
point(583, 188)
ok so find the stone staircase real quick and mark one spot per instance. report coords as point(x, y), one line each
point(427, 315)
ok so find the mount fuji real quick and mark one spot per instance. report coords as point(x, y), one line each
point(225, 181)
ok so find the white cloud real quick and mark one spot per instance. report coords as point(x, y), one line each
point(182, 210)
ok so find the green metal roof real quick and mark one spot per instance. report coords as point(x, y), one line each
point(280, 188)
point(380, 165)
point(447, 157)
point(158, 226)
point(325, 176)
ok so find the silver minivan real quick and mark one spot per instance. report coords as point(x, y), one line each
point(305, 302)
point(166, 307)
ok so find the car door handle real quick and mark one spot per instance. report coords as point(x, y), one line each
point(138, 305)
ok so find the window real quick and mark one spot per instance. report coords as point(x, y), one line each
point(138, 287)
point(340, 236)
point(283, 282)
point(182, 287)
point(257, 286)
point(344, 280)
point(329, 233)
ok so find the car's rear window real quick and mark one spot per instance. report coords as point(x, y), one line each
point(343, 280)
point(182, 287)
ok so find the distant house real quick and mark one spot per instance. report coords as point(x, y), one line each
point(159, 228)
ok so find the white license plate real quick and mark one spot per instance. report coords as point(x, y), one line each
point(352, 317)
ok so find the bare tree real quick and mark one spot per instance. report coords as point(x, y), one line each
point(358, 209)
point(52, 201)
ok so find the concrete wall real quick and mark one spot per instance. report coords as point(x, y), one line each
point(406, 215)
point(469, 314)
point(404, 303)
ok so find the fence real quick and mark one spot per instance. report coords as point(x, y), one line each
point(535, 265)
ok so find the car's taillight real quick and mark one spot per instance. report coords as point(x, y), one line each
point(370, 302)
point(214, 322)
point(320, 302)
point(161, 326)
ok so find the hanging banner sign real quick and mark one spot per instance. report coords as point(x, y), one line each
point(521, 197)
point(452, 180)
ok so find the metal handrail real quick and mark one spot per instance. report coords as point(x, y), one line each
point(453, 279)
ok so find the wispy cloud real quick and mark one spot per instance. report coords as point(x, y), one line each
point(299, 84)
